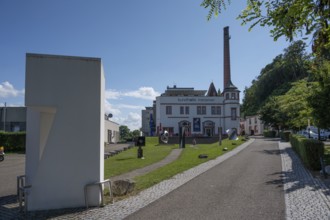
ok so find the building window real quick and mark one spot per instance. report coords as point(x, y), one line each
point(215, 110)
point(227, 95)
point(181, 110)
point(169, 110)
point(184, 110)
point(233, 114)
point(233, 95)
point(187, 110)
point(201, 110)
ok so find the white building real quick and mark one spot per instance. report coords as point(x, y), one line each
point(111, 131)
point(252, 125)
point(202, 113)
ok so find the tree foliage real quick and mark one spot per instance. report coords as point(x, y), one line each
point(271, 115)
point(276, 78)
point(126, 133)
point(294, 105)
point(288, 18)
point(319, 101)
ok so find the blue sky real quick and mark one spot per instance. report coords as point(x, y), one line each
point(144, 45)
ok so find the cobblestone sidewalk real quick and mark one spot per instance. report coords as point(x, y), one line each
point(305, 196)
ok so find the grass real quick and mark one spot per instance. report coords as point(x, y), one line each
point(127, 160)
point(188, 159)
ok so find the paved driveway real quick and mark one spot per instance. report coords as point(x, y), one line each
point(246, 186)
point(10, 168)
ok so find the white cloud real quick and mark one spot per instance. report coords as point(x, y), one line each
point(132, 121)
point(143, 93)
point(137, 107)
point(111, 109)
point(7, 90)
point(147, 93)
point(112, 94)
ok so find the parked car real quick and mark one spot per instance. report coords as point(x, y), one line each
point(313, 135)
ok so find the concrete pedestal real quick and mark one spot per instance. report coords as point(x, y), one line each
point(65, 130)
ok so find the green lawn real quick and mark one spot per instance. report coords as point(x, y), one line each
point(127, 160)
point(153, 152)
point(188, 159)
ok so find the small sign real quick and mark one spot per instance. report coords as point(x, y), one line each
point(141, 141)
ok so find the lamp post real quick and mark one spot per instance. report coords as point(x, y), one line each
point(4, 117)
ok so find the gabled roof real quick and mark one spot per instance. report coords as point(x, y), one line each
point(212, 91)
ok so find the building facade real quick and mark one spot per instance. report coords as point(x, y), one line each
point(111, 131)
point(12, 119)
point(252, 125)
point(148, 123)
point(199, 112)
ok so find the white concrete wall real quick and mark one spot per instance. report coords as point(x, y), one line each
point(65, 129)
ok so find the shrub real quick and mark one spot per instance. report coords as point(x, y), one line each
point(269, 134)
point(310, 151)
point(285, 136)
point(13, 141)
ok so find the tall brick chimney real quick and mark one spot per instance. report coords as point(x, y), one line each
point(226, 58)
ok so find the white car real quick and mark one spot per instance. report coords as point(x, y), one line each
point(314, 135)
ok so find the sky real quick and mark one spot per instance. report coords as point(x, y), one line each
point(144, 46)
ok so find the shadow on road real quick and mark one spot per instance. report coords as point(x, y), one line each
point(9, 209)
point(297, 178)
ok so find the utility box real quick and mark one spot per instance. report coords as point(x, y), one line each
point(64, 97)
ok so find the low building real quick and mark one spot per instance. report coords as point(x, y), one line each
point(12, 119)
point(252, 125)
point(111, 131)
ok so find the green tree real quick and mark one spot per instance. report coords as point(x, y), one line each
point(272, 115)
point(276, 78)
point(294, 104)
point(288, 18)
point(124, 132)
point(291, 19)
point(135, 133)
point(320, 97)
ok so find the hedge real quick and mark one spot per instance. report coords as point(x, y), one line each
point(269, 134)
point(309, 150)
point(13, 141)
